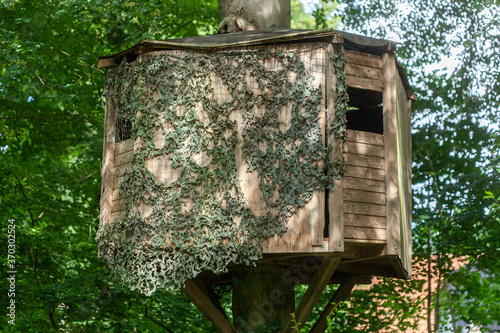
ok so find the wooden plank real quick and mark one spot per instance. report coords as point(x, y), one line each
point(365, 242)
point(410, 194)
point(364, 161)
point(391, 163)
point(364, 149)
point(354, 232)
point(365, 59)
point(121, 169)
point(364, 184)
point(205, 305)
point(364, 196)
point(118, 205)
point(364, 220)
point(364, 208)
point(124, 146)
point(363, 71)
point(331, 308)
point(107, 171)
point(365, 137)
point(117, 215)
point(364, 172)
point(314, 291)
point(209, 292)
point(124, 158)
point(363, 83)
point(335, 201)
point(404, 174)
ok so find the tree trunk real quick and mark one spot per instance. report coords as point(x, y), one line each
point(263, 298)
point(254, 15)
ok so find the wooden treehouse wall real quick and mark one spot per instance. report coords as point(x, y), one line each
point(370, 205)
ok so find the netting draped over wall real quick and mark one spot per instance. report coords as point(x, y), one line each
point(201, 123)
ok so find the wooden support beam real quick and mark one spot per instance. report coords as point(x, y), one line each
point(209, 292)
point(313, 293)
point(207, 307)
point(343, 291)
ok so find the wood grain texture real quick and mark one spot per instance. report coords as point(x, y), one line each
point(364, 184)
point(364, 59)
point(362, 196)
point(364, 220)
point(365, 173)
point(364, 83)
point(391, 162)
point(365, 137)
point(404, 174)
point(124, 146)
point(362, 70)
point(335, 198)
point(364, 161)
point(362, 208)
point(107, 171)
point(364, 149)
point(362, 233)
point(124, 158)
point(205, 305)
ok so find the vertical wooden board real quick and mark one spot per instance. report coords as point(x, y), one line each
point(205, 305)
point(391, 149)
point(409, 202)
point(404, 173)
point(335, 199)
point(107, 171)
point(317, 209)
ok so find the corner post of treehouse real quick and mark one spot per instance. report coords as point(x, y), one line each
point(390, 145)
point(335, 199)
point(108, 163)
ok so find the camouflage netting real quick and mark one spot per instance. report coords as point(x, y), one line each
point(200, 220)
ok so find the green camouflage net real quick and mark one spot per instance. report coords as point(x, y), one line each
point(200, 220)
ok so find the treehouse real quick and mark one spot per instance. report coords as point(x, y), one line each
point(289, 147)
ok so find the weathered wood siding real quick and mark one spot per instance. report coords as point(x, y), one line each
point(364, 189)
point(359, 209)
point(123, 153)
point(363, 71)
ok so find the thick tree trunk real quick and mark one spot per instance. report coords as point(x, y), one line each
point(254, 15)
point(263, 298)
